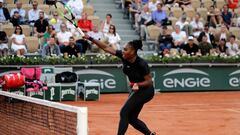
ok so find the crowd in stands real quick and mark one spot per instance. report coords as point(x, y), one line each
point(193, 27)
point(50, 33)
point(176, 26)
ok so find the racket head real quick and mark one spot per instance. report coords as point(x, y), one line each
point(61, 8)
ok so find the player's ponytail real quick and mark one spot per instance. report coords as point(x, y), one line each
point(136, 44)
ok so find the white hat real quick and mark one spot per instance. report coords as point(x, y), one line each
point(1, 1)
point(190, 38)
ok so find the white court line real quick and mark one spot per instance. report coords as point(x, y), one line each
point(207, 104)
point(169, 111)
point(233, 110)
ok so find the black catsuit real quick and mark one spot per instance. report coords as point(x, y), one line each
point(131, 109)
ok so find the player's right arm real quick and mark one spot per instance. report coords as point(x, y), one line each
point(102, 45)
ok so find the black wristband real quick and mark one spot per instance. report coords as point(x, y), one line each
point(90, 38)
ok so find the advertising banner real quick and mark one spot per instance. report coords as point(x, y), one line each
point(196, 78)
point(110, 79)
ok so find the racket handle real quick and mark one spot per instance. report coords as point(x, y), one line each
point(80, 31)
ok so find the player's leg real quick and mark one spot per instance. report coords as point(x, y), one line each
point(142, 97)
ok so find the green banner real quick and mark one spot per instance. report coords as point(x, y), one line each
point(196, 78)
point(53, 92)
point(110, 79)
point(68, 91)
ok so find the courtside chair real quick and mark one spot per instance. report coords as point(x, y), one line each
point(190, 12)
point(27, 30)
point(95, 20)
point(24, 1)
point(203, 12)
point(196, 4)
point(8, 28)
point(220, 3)
point(32, 44)
point(235, 31)
point(88, 9)
point(44, 8)
point(207, 3)
point(176, 12)
point(173, 20)
point(8, 2)
point(152, 34)
point(10, 7)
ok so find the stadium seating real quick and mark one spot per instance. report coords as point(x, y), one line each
point(32, 44)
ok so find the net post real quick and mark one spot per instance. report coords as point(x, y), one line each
point(82, 121)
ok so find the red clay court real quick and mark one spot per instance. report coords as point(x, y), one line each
point(191, 113)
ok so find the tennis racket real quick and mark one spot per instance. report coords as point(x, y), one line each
point(61, 8)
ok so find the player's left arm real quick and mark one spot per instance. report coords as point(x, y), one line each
point(147, 81)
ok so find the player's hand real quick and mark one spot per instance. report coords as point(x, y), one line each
point(131, 84)
point(135, 87)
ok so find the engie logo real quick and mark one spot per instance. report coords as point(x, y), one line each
point(105, 79)
point(186, 78)
point(234, 80)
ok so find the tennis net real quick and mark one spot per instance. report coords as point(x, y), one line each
point(31, 116)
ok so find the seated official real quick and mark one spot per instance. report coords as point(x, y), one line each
point(71, 50)
point(51, 49)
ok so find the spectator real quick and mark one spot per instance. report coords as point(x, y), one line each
point(3, 44)
point(15, 19)
point(213, 17)
point(33, 14)
point(106, 24)
point(21, 12)
point(165, 41)
point(184, 25)
point(49, 33)
point(144, 20)
point(51, 49)
point(222, 48)
point(191, 48)
point(40, 26)
point(179, 37)
point(226, 15)
point(85, 24)
point(113, 38)
point(18, 42)
point(126, 5)
point(71, 50)
point(238, 19)
point(152, 5)
point(232, 46)
point(55, 21)
point(205, 47)
point(96, 34)
point(159, 16)
point(232, 4)
point(4, 14)
point(223, 34)
point(76, 6)
point(183, 3)
point(210, 36)
point(63, 37)
point(135, 9)
point(197, 25)
point(169, 3)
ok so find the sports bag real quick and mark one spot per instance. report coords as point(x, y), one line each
point(32, 73)
point(12, 80)
point(66, 77)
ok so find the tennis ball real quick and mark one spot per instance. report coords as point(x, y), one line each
point(53, 21)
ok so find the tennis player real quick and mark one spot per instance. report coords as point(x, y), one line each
point(139, 75)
